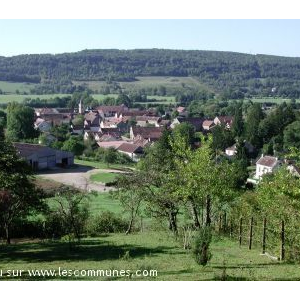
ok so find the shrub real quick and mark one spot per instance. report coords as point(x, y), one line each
point(201, 246)
point(54, 226)
point(107, 222)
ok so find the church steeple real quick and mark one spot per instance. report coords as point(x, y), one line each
point(80, 107)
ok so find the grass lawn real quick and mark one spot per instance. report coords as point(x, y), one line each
point(272, 100)
point(101, 202)
point(103, 177)
point(11, 87)
point(101, 165)
point(20, 98)
point(143, 251)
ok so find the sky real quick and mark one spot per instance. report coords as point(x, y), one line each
point(277, 37)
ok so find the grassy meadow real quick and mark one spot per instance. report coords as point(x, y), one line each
point(19, 98)
point(6, 98)
point(103, 177)
point(11, 87)
point(101, 165)
point(144, 82)
point(153, 250)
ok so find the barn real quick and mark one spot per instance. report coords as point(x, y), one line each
point(42, 157)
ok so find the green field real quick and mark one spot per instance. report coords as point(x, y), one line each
point(20, 98)
point(101, 165)
point(144, 82)
point(142, 251)
point(103, 177)
point(11, 87)
point(153, 249)
point(272, 100)
point(104, 202)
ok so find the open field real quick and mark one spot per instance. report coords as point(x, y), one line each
point(143, 251)
point(101, 165)
point(20, 98)
point(11, 87)
point(272, 100)
point(103, 177)
point(101, 202)
point(144, 82)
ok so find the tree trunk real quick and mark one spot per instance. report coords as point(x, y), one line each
point(129, 229)
point(173, 222)
point(208, 211)
point(134, 212)
point(195, 215)
point(7, 234)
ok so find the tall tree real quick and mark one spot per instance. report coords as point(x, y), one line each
point(18, 195)
point(20, 122)
point(292, 135)
point(206, 182)
point(254, 116)
point(238, 123)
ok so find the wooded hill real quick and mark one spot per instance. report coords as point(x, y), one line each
point(221, 71)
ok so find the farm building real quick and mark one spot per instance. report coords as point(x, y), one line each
point(43, 157)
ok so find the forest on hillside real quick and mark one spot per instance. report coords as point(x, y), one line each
point(233, 73)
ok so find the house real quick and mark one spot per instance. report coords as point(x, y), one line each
point(132, 150)
point(42, 125)
point(208, 125)
point(77, 129)
point(53, 116)
point(225, 121)
point(147, 133)
point(114, 123)
point(116, 132)
point(195, 122)
point(106, 111)
point(42, 157)
point(294, 170)
point(145, 121)
point(231, 151)
point(92, 121)
point(266, 164)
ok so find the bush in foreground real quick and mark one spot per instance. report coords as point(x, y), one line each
point(201, 249)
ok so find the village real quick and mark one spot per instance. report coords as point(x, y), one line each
point(129, 131)
point(130, 162)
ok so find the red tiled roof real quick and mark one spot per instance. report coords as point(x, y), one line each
point(130, 148)
point(147, 118)
point(112, 108)
point(110, 144)
point(152, 133)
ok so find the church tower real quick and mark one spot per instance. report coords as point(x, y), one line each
point(80, 107)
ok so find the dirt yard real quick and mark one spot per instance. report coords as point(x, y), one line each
point(77, 177)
